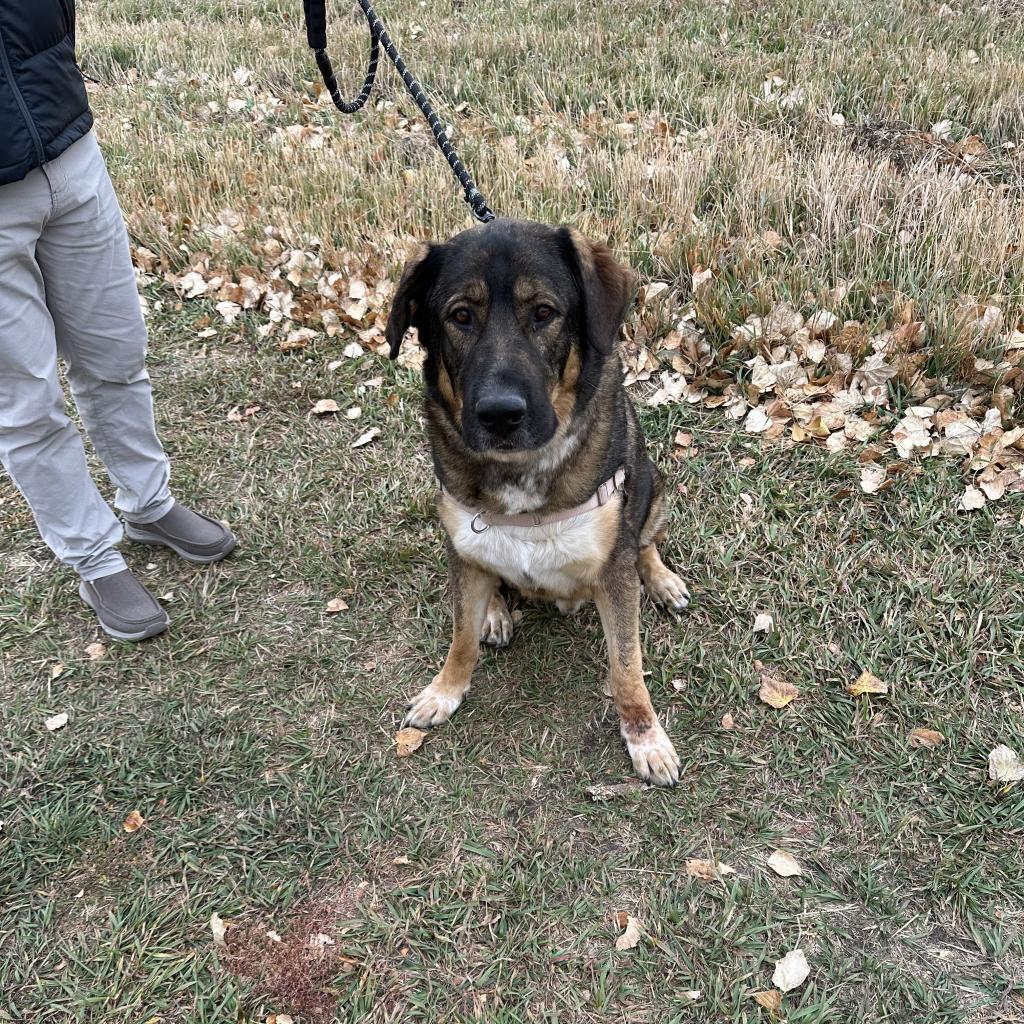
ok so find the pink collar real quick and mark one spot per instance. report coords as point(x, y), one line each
point(485, 520)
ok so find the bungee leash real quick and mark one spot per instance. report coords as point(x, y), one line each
point(316, 35)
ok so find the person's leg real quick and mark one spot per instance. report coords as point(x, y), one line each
point(91, 293)
point(39, 446)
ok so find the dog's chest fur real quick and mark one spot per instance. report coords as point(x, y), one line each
point(555, 560)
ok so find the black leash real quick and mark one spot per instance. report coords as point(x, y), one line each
point(316, 35)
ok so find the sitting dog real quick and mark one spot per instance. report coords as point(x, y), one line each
point(546, 485)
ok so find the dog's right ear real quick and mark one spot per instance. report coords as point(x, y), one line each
point(410, 297)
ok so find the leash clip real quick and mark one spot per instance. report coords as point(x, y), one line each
point(472, 524)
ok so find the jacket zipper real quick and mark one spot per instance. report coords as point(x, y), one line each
point(20, 100)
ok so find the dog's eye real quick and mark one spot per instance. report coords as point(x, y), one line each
point(543, 314)
point(462, 316)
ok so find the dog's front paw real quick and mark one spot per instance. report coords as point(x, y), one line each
point(668, 589)
point(654, 758)
point(433, 705)
point(497, 629)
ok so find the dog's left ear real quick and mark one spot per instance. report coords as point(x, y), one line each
point(606, 285)
point(410, 297)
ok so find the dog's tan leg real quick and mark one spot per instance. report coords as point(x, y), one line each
point(618, 602)
point(660, 581)
point(497, 631)
point(472, 590)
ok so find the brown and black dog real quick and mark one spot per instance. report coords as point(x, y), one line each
point(528, 418)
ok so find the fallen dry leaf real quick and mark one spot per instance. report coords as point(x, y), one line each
point(609, 791)
point(706, 871)
point(776, 691)
point(757, 421)
point(134, 822)
point(763, 622)
point(971, 499)
point(631, 936)
point(366, 438)
point(910, 433)
point(769, 998)
point(408, 740)
point(1004, 765)
point(858, 429)
point(791, 971)
point(702, 278)
point(219, 928)
point(57, 671)
point(992, 484)
point(335, 605)
point(784, 864)
point(325, 406)
point(867, 683)
point(192, 284)
point(280, 1018)
point(925, 738)
point(871, 478)
point(96, 651)
point(57, 721)
point(296, 340)
point(229, 311)
point(821, 323)
point(651, 291)
point(727, 721)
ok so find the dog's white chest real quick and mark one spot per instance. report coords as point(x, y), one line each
point(556, 559)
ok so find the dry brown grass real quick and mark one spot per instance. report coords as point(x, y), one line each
point(295, 963)
point(680, 134)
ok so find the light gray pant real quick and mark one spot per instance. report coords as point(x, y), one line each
point(67, 288)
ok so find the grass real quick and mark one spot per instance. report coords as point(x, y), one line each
point(476, 880)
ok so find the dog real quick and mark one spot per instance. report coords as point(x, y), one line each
point(546, 485)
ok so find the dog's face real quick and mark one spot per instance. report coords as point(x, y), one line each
point(516, 318)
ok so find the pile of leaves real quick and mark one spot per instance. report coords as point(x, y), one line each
point(785, 376)
point(813, 379)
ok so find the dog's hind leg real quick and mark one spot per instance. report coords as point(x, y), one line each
point(472, 590)
point(659, 580)
point(497, 631)
point(618, 601)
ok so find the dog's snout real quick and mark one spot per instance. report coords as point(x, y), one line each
point(501, 412)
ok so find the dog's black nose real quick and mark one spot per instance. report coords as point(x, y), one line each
point(501, 411)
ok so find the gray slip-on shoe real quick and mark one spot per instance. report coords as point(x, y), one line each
point(190, 534)
point(125, 608)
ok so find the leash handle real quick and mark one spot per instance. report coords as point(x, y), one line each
point(315, 12)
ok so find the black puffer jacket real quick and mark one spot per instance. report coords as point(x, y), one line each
point(43, 105)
